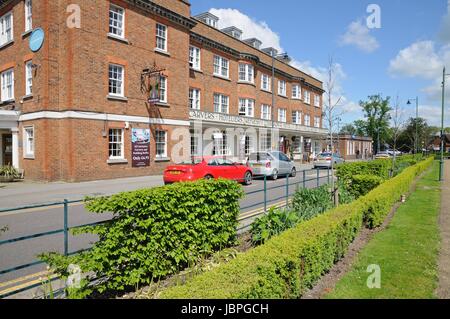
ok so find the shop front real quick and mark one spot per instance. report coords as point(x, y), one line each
point(9, 138)
point(236, 137)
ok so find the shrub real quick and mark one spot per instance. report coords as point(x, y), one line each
point(345, 196)
point(362, 184)
point(156, 232)
point(380, 201)
point(290, 263)
point(273, 223)
point(9, 171)
point(380, 168)
point(309, 202)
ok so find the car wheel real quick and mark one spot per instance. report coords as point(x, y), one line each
point(248, 178)
point(208, 177)
point(294, 172)
point(275, 175)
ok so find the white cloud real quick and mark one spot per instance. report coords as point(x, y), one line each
point(251, 28)
point(358, 34)
point(419, 60)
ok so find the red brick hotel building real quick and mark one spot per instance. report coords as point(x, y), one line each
point(70, 109)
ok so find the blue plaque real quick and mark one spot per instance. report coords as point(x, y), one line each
point(37, 39)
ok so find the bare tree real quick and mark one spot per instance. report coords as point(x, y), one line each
point(396, 128)
point(331, 105)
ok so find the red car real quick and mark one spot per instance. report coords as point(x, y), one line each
point(208, 168)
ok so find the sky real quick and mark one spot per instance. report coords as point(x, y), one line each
point(399, 52)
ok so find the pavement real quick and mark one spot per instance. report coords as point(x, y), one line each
point(443, 290)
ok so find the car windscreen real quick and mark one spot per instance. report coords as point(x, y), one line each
point(324, 155)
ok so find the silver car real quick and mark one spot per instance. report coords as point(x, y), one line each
point(324, 160)
point(272, 164)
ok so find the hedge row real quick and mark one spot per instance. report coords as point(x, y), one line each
point(156, 232)
point(380, 201)
point(290, 263)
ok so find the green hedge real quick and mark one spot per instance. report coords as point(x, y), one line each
point(290, 263)
point(157, 232)
point(362, 184)
point(380, 201)
point(379, 168)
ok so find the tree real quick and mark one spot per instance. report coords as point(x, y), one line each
point(361, 127)
point(330, 108)
point(396, 128)
point(424, 133)
point(348, 129)
point(376, 112)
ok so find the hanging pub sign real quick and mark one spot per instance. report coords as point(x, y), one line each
point(140, 147)
point(151, 83)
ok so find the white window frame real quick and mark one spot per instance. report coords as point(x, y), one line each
point(268, 79)
point(194, 99)
point(248, 107)
point(266, 112)
point(316, 100)
point(221, 101)
point(194, 58)
point(158, 142)
point(297, 117)
point(120, 143)
point(317, 121)
point(6, 35)
point(282, 87)
point(113, 29)
point(246, 73)
point(307, 96)
point(162, 34)
point(29, 142)
point(28, 15)
point(296, 92)
point(163, 89)
point(307, 119)
point(7, 85)
point(29, 78)
point(221, 66)
point(122, 80)
point(282, 115)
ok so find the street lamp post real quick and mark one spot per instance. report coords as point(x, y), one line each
point(441, 162)
point(274, 55)
point(416, 142)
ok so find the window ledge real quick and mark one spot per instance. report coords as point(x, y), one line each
point(221, 77)
point(283, 96)
point(27, 33)
point(116, 37)
point(196, 70)
point(162, 104)
point(267, 91)
point(117, 161)
point(161, 52)
point(6, 44)
point(162, 159)
point(118, 98)
point(28, 157)
point(296, 99)
point(7, 101)
point(27, 97)
point(247, 83)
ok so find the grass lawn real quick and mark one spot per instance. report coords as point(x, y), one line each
point(407, 251)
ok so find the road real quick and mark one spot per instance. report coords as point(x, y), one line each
point(39, 220)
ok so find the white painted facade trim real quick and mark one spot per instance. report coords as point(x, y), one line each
point(99, 117)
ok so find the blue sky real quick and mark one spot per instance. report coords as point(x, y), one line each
point(404, 57)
